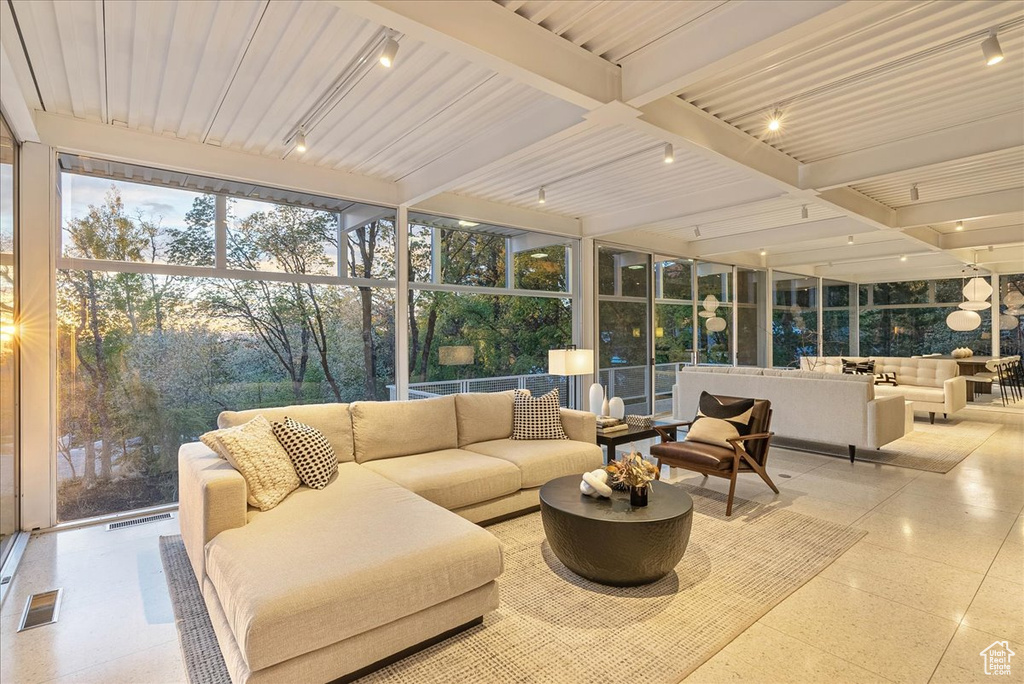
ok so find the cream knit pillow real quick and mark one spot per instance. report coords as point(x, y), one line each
point(253, 450)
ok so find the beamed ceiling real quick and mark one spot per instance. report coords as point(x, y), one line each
point(490, 101)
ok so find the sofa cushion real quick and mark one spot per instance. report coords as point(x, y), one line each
point(385, 429)
point(537, 417)
point(544, 459)
point(332, 420)
point(451, 478)
point(311, 453)
point(252, 449)
point(483, 416)
point(289, 587)
point(932, 395)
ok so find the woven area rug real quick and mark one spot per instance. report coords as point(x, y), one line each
point(933, 448)
point(555, 627)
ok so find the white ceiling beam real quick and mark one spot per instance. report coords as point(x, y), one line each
point(840, 254)
point(1012, 254)
point(728, 36)
point(550, 121)
point(489, 35)
point(148, 149)
point(360, 214)
point(859, 205)
point(961, 208)
point(990, 135)
point(782, 235)
point(925, 235)
point(983, 237)
point(17, 92)
point(485, 211)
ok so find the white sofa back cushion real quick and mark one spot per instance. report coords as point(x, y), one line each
point(484, 416)
point(385, 429)
point(922, 372)
point(332, 420)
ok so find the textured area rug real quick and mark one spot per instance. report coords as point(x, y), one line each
point(555, 627)
point(204, 663)
point(933, 448)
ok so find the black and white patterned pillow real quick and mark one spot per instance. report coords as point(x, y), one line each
point(537, 417)
point(719, 420)
point(859, 367)
point(312, 455)
point(886, 379)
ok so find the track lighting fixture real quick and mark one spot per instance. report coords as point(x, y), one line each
point(696, 231)
point(959, 225)
point(991, 49)
point(775, 120)
point(387, 55)
point(468, 224)
point(670, 153)
point(764, 252)
point(541, 197)
point(300, 141)
point(914, 194)
point(903, 257)
point(803, 212)
point(849, 240)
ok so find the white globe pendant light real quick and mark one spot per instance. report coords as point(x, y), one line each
point(974, 306)
point(963, 321)
point(977, 289)
point(717, 324)
point(706, 314)
point(1013, 300)
point(710, 303)
point(1008, 322)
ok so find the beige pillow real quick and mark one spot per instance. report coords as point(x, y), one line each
point(253, 450)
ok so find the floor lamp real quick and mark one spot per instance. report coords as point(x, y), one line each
point(570, 361)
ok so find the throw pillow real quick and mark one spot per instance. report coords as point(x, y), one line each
point(253, 450)
point(886, 379)
point(858, 367)
point(719, 419)
point(537, 417)
point(312, 455)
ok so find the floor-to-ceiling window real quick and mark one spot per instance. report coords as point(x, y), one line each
point(673, 325)
point(486, 305)
point(714, 304)
point(794, 319)
point(623, 347)
point(180, 296)
point(751, 323)
point(9, 452)
point(838, 317)
point(1010, 300)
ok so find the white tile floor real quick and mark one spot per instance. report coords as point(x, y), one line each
point(939, 576)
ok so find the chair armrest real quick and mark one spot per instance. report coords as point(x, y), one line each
point(211, 499)
point(663, 430)
point(885, 420)
point(747, 438)
point(580, 426)
point(954, 393)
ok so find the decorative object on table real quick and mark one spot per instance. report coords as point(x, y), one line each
point(962, 353)
point(633, 471)
point(616, 408)
point(605, 409)
point(597, 399)
point(537, 417)
point(595, 484)
point(642, 422)
point(607, 425)
point(570, 361)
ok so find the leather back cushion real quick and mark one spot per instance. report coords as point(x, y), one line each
point(332, 420)
point(385, 429)
point(483, 416)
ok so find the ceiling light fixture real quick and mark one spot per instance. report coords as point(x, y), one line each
point(539, 255)
point(775, 120)
point(959, 225)
point(914, 194)
point(541, 197)
point(468, 224)
point(696, 231)
point(387, 55)
point(670, 153)
point(300, 141)
point(764, 252)
point(803, 212)
point(991, 49)
point(903, 257)
point(849, 240)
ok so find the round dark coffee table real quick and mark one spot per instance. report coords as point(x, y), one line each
point(607, 540)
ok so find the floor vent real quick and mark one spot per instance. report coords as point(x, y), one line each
point(121, 524)
point(41, 609)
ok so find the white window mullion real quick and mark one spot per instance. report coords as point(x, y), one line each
point(220, 238)
point(402, 303)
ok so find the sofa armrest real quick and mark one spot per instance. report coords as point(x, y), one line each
point(211, 499)
point(955, 394)
point(579, 425)
point(886, 420)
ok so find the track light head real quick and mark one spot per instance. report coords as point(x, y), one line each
point(849, 240)
point(914, 194)
point(764, 252)
point(300, 141)
point(803, 212)
point(387, 55)
point(903, 257)
point(670, 153)
point(959, 225)
point(696, 231)
point(541, 196)
point(991, 49)
point(775, 120)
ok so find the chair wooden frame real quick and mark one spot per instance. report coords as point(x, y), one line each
point(742, 462)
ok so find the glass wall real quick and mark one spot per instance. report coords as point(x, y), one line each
point(838, 317)
point(794, 319)
point(176, 302)
point(9, 452)
point(673, 325)
point(1010, 300)
point(487, 304)
point(751, 323)
point(623, 348)
point(714, 301)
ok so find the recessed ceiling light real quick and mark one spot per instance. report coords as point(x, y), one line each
point(387, 55)
point(541, 196)
point(539, 255)
point(300, 141)
point(991, 49)
point(468, 224)
point(959, 225)
point(670, 153)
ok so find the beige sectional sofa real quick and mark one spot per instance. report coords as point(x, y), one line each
point(932, 385)
point(387, 556)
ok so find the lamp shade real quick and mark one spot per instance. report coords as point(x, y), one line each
point(1008, 322)
point(962, 321)
point(462, 355)
point(1013, 300)
point(710, 303)
point(970, 305)
point(570, 361)
point(716, 324)
point(977, 289)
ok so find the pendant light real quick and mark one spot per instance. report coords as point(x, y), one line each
point(977, 289)
point(963, 321)
point(717, 324)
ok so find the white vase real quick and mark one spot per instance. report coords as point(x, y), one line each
point(616, 408)
point(596, 398)
point(604, 406)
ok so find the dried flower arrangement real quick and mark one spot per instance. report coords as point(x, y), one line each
point(632, 470)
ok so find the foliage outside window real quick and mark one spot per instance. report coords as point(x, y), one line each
point(154, 340)
point(837, 315)
point(751, 333)
point(1011, 331)
point(9, 340)
point(794, 319)
point(714, 346)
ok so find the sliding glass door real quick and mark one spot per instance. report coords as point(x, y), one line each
point(624, 283)
point(8, 342)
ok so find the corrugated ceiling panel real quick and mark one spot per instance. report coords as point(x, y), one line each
point(743, 219)
point(930, 91)
point(598, 171)
point(612, 29)
point(987, 173)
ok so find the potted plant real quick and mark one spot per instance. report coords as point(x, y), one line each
point(634, 472)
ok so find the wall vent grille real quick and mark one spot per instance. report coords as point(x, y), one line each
point(121, 524)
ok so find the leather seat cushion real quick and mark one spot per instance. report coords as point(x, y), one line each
point(694, 453)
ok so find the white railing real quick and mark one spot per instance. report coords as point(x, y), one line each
point(538, 384)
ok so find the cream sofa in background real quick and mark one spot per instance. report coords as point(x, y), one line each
point(932, 385)
point(386, 557)
point(807, 406)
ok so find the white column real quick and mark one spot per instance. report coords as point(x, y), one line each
point(584, 287)
point(402, 302)
point(821, 316)
point(769, 290)
point(996, 294)
point(37, 230)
